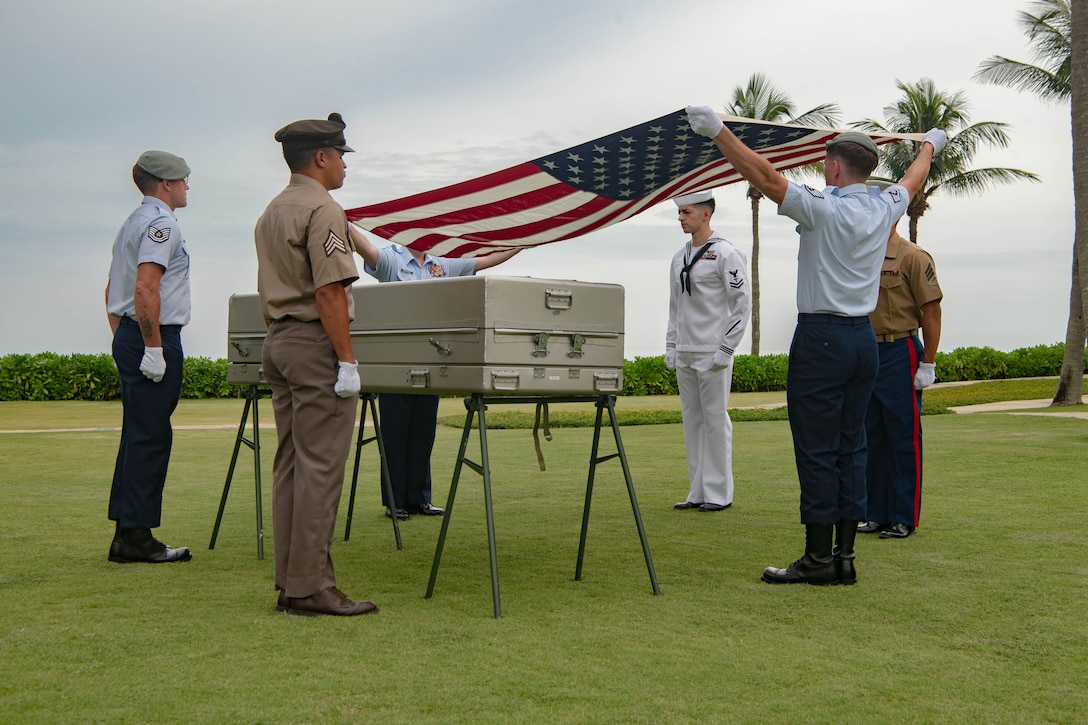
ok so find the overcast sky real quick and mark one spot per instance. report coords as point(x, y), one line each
point(438, 91)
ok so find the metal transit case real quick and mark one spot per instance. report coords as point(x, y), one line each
point(489, 334)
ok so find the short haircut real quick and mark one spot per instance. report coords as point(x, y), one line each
point(300, 159)
point(855, 157)
point(147, 183)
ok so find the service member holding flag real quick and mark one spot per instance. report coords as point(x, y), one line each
point(833, 356)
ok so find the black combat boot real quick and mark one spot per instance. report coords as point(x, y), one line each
point(843, 553)
point(817, 565)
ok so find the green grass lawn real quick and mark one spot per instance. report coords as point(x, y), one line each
point(979, 617)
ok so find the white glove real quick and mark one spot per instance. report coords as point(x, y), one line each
point(927, 373)
point(347, 379)
point(938, 138)
point(704, 121)
point(670, 359)
point(153, 366)
point(721, 360)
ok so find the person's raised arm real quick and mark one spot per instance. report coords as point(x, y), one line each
point(757, 170)
point(917, 172)
point(490, 260)
point(363, 246)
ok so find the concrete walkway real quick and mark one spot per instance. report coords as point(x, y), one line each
point(1011, 406)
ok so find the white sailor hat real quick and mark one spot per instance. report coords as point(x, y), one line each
point(697, 198)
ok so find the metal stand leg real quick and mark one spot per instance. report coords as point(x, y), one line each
point(474, 405)
point(368, 401)
point(252, 395)
point(609, 402)
point(478, 404)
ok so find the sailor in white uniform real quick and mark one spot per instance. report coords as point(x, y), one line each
point(709, 305)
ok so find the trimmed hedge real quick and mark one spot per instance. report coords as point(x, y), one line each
point(49, 376)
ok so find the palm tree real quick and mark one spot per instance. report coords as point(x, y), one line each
point(922, 107)
point(760, 100)
point(1050, 32)
point(1079, 109)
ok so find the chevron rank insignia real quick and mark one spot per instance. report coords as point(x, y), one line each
point(158, 235)
point(334, 244)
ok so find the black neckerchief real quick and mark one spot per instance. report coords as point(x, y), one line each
point(685, 272)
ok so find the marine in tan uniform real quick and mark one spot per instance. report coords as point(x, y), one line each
point(909, 299)
point(305, 269)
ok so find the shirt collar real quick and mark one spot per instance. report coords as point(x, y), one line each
point(894, 242)
point(157, 202)
point(849, 190)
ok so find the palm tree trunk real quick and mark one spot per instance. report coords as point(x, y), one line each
point(1071, 381)
point(1079, 112)
point(755, 195)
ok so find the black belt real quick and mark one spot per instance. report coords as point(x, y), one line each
point(126, 320)
point(831, 319)
point(893, 336)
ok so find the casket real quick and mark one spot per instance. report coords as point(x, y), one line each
point(487, 334)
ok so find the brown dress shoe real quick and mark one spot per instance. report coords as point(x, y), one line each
point(331, 601)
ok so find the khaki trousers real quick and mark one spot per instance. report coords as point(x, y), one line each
point(313, 429)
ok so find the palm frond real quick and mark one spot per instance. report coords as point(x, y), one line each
point(1023, 77)
point(977, 181)
point(1050, 35)
point(826, 114)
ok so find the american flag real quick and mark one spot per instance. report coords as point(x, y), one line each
point(584, 188)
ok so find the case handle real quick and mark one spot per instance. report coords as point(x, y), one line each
point(558, 299)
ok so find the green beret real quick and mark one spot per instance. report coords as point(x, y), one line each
point(860, 139)
point(314, 134)
point(162, 165)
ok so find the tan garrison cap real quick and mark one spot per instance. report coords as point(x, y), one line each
point(162, 165)
point(860, 139)
point(314, 134)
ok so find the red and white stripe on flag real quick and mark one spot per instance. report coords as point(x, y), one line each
point(584, 188)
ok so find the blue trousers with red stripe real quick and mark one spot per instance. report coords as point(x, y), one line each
point(894, 429)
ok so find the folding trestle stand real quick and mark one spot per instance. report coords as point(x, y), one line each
point(367, 399)
point(252, 395)
point(477, 405)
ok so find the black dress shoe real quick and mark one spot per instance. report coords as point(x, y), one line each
point(426, 509)
point(872, 527)
point(281, 602)
point(139, 546)
point(897, 531)
point(685, 505)
point(714, 507)
point(402, 514)
point(331, 601)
